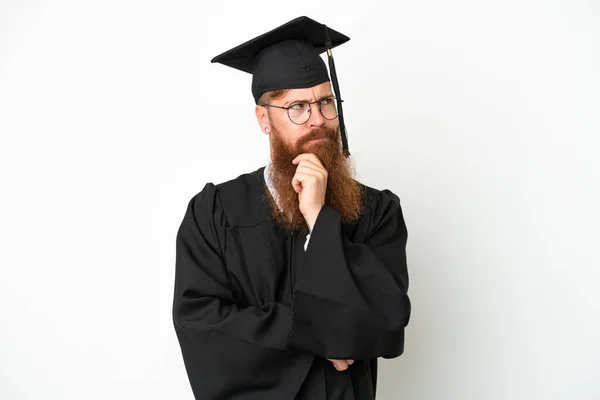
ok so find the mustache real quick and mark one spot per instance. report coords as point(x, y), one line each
point(319, 133)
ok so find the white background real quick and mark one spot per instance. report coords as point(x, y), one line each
point(482, 116)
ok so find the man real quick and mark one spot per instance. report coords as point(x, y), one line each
point(291, 280)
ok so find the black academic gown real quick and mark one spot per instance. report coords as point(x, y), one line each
point(256, 316)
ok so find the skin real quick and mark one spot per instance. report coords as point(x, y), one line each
point(310, 179)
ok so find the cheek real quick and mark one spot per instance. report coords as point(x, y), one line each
point(290, 133)
point(333, 124)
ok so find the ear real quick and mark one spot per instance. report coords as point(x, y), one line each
point(262, 116)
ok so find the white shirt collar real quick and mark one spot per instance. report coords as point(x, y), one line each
point(269, 183)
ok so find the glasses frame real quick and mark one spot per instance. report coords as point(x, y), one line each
point(318, 102)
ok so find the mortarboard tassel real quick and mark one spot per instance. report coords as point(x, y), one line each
point(336, 88)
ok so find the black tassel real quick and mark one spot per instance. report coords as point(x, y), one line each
point(336, 88)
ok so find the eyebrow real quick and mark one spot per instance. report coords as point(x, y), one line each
point(287, 103)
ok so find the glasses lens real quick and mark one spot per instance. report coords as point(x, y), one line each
point(328, 108)
point(299, 113)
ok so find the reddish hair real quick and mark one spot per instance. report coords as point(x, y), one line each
point(266, 97)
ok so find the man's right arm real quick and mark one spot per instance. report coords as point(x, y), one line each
point(227, 350)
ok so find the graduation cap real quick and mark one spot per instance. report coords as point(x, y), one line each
point(288, 57)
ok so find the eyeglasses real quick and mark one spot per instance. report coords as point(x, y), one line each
point(300, 112)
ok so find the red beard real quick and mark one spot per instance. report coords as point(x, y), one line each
point(343, 194)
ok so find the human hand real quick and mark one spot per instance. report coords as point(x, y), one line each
point(341, 365)
point(310, 182)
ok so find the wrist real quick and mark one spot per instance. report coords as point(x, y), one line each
point(311, 218)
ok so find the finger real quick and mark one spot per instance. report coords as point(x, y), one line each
point(297, 185)
point(340, 365)
point(309, 160)
point(300, 177)
point(308, 156)
point(350, 362)
point(308, 169)
point(310, 165)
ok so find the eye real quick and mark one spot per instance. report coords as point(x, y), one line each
point(298, 106)
point(327, 101)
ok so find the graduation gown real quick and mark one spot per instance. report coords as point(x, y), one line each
point(256, 315)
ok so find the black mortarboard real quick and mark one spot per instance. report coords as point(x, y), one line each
point(288, 58)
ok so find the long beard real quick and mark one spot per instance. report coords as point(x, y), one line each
point(343, 194)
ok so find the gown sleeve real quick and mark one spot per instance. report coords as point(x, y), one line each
point(228, 351)
point(350, 299)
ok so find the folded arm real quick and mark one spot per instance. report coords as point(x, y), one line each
point(350, 301)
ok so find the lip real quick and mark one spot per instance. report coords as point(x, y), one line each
point(317, 140)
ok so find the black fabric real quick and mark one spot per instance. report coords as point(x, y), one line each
point(286, 57)
point(336, 88)
point(256, 316)
point(288, 64)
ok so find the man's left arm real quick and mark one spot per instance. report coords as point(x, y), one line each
point(351, 298)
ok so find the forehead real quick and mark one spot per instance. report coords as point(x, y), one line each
point(311, 93)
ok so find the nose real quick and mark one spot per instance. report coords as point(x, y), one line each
point(316, 118)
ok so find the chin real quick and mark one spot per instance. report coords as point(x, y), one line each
point(316, 142)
